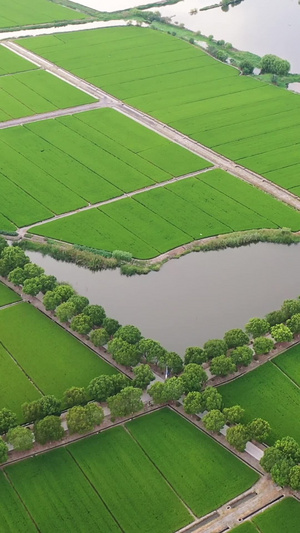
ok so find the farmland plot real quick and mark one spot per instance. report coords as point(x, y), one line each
point(41, 11)
point(289, 363)
point(7, 296)
point(254, 123)
point(14, 517)
point(203, 473)
point(282, 517)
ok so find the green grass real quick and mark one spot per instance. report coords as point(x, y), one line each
point(289, 363)
point(41, 11)
point(53, 358)
point(204, 474)
point(156, 221)
point(283, 517)
point(267, 393)
point(14, 517)
point(7, 295)
point(132, 488)
point(58, 496)
point(248, 120)
point(12, 63)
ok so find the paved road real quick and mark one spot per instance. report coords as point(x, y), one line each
point(25, 229)
point(157, 126)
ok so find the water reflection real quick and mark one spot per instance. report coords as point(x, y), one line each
point(195, 298)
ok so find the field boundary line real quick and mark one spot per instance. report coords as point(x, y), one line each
point(6, 475)
point(22, 369)
point(94, 488)
point(163, 129)
point(158, 185)
point(161, 473)
point(5, 306)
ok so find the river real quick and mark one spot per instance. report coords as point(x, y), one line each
point(193, 299)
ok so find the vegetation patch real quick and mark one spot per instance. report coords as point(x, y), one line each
point(118, 468)
point(288, 362)
point(283, 516)
point(203, 473)
point(267, 393)
point(41, 11)
point(7, 296)
point(14, 516)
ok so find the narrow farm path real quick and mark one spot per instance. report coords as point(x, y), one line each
point(9, 305)
point(159, 127)
point(25, 229)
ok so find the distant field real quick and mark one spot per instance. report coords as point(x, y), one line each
point(14, 517)
point(17, 13)
point(249, 121)
point(130, 485)
point(283, 517)
point(267, 393)
point(204, 474)
point(7, 296)
point(153, 222)
point(54, 359)
point(56, 166)
point(289, 363)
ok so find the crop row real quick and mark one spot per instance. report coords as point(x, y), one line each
point(161, 219)
point(246, 120)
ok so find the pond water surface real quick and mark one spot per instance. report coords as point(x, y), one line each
point(195, 298)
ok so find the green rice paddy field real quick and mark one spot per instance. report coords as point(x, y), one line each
point(269, 393)
point(283, 517)
point(7, 296)
point(110, 482)
point(41, 11)
point(153, 222)
point(38, 356)
point(251, 122)
point(56, 166)
point(27, 90)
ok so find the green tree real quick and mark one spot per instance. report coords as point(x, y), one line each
point(195, 355)
point(289, 447)
point(95, 414)
point(281, 333)
point(74, 396)
point(32, 411)
point(129, 334)
point(17, 276)
point(238, 437)
point(193, 403)
point(263, 345)
point(290, 307)
point(214, 421)
point(49, 405)
point(270, 457)
point(281, 472)
point(48, 283)
point(32, 286)
point(20, 438)
point(96, 314)
point(48, 429)
point(259, 429)
point(65, 311)
point(214, 348)
point(174, 362)
point(99, 337)
point(294, 480)
point(8, 420)
point(126, 402)
point(151, 350)
point(51, 300)
point(257, 327)
point(3, 244)
point(101, 388)
point(3, 451)
point(79, 302)
point(212, 399)
point(11, 258)
point(31, 270)
point(173, 389)
point(143, 376)
point(193, 377)
point(81, 323)
point(64, 292)
point(294, 323)
point(123, 352)
point(236, 337)
point(111, 325)
point(120, 381)
point(242, 356)
point(157, 392)
point(275, 317)
point(82, 419)
point(274, 65)
point(246, 67)
point(233, 414)
point(222, 366)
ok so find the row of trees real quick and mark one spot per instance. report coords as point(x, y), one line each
point(282, 461)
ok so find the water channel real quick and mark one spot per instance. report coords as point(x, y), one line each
point(195, 298)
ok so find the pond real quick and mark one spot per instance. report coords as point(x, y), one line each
point(259, 26)
point(195, 298)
